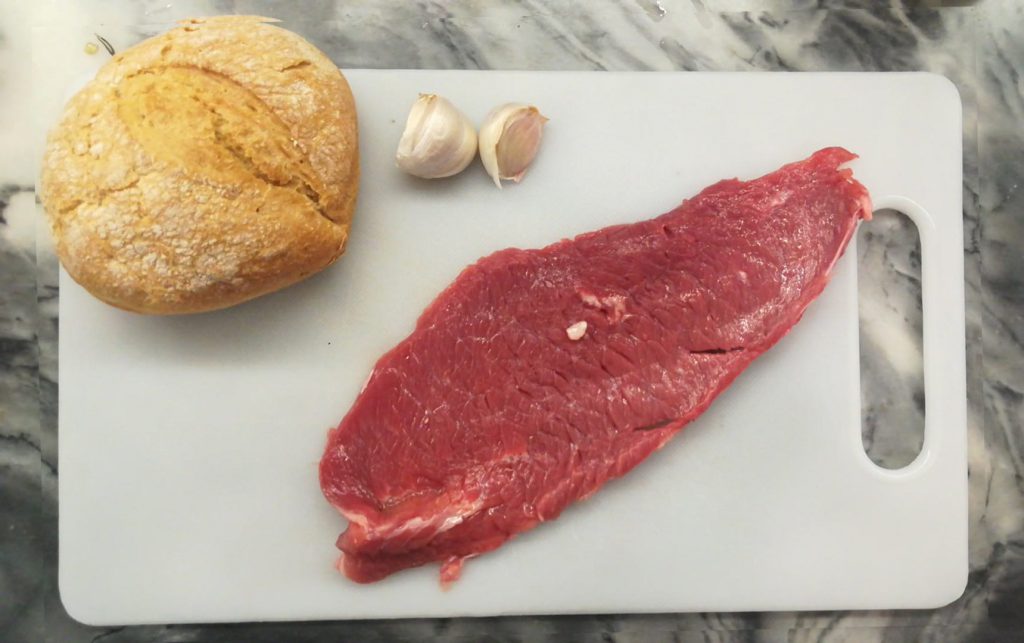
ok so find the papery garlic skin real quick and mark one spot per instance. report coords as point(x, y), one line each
point(509, 140)
point(438, 141)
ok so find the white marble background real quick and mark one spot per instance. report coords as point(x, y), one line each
point(980, 45)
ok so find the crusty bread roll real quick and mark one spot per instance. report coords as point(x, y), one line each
point(203, 167)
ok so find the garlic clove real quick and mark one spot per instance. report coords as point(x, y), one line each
point(509, 140)
point(438, 141)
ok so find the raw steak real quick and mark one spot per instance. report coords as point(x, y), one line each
point(539, 375)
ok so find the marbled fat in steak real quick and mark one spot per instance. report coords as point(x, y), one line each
point(539, 375)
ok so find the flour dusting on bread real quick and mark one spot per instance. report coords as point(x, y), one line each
point(206, 166)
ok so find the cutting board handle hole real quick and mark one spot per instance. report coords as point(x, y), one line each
point(891, 354)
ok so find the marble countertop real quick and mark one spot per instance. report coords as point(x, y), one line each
point(979, 45)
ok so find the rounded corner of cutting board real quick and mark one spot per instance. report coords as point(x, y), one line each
point(951, 591)
point(76, 604)
point(945, 87)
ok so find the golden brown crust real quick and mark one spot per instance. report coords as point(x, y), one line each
point(206, 166)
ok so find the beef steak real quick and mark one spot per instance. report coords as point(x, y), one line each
point(539, 375)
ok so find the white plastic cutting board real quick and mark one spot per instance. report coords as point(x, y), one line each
point(189, 445)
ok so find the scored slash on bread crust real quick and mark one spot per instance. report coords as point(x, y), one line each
point(203, 167)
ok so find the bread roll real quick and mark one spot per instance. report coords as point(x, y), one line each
point(203, 167)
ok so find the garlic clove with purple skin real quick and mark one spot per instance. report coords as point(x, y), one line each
point(509, 140)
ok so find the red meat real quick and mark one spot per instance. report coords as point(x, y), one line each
point(490, 418)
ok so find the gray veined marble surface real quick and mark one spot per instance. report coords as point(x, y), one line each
point(979, 45)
